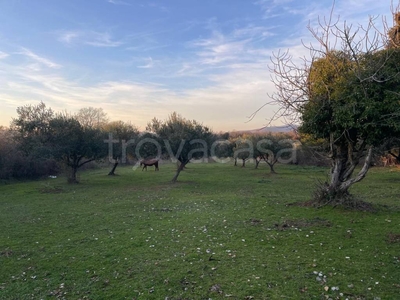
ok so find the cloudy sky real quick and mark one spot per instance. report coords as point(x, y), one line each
point(206, 59)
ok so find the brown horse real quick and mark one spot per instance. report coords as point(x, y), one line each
point(148, 163)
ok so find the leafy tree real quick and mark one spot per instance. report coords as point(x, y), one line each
point(8, 151)
point(222, 148)
point(243, 149)
point(273, 147)
point(148, 146)
point(120, 136)
point(184, 139)
point(347, 97)
point(31, 156)
point(74, 144)
point(31, 127)
point(92, 117)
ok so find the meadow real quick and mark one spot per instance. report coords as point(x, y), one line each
point(220, 232)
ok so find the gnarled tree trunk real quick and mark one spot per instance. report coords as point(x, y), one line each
point(336, 191)
point(179, 169)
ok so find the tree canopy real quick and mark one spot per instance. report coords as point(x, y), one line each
point(184, 140)
point(74, 144)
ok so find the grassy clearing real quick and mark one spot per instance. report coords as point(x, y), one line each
point(220, 232)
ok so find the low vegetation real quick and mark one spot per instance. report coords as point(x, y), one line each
point(221, 232)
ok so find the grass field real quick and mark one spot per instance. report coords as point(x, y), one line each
point(221, 232)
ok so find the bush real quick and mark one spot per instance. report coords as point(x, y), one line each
point(15, 165)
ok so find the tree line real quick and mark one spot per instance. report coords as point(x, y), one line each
point(42, 142)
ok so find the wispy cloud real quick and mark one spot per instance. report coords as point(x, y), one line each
point(273, 8)
point(158, 6)
point(242, 45)
point(39, 59)
point(150, 64)
point(69, 36)
point(91, 38)
point(102, 40)
point(119, 2)
point(228, 95)
point(3, 55)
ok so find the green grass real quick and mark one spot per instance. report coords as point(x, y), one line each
point(221, 232)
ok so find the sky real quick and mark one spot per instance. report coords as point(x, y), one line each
point(208, 60)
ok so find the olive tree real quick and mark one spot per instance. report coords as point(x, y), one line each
point(74, 144)
point(30, 129)
point(120, 135)
point(243, 149)
point(272, 148)
point(346, 93)
point(184, 140)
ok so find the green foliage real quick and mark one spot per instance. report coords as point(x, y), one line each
point(24, 150)
point(121, 137)
point(352, 102)
point(149, 146)
point(223, 146)
point(136, 236)
point(243, 149)
point(74, 144)
point(354, 106)
point(30, 129)
point(183, 140)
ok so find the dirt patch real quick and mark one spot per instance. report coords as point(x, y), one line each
point(216, 288)
point(355, 204)
point(6, 253)
point(255, 222)
point(51, 190)
point(393, 238)
point(309, 203)
point(303, 223)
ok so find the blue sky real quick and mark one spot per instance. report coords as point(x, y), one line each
point(206, 59)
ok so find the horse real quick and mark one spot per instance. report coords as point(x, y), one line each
point(148, 163)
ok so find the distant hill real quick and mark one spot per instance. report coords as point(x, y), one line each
point(272, 129)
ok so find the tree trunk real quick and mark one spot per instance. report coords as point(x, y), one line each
point(112, 172)
point(397, 157)
point(271, 167)
point(235, 162)
point(243, 163)
point(257, 163)
point(270, 164)
point(178, 171)
point(72, 178)
point(336, 191)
